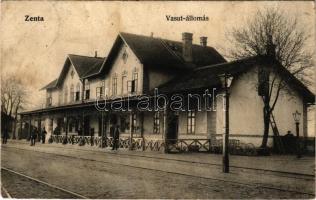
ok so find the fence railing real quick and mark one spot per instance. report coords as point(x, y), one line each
point(170, 145)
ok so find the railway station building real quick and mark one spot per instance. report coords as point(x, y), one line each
point(165, 96)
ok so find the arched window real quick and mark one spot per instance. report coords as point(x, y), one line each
point(87, 89)
point(77, 92)
point(100, 90)
point(114, 85)
point(72, 93)
point(60, 97)
point(65, 94)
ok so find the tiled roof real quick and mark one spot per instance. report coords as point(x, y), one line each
point(162, 53)
point(205, 77)
point(50, 85)
point(166, 53)
point(209, 77)
point(86, 65)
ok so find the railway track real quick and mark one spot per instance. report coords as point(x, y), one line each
point(280, 173)
point(40, 182)
point(256, 170)
point(5, 193)
point(183, 174)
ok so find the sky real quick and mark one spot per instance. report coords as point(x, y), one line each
point(35, 51)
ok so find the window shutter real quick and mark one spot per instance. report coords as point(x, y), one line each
point(101, 91)
point(129, 86)
point(133, 86)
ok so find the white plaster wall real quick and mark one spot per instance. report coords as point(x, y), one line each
point(68, 81)
point(94, 83)
point(55, 94)
point(246, 110)
point(119, 68)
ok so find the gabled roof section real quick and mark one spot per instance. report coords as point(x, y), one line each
point(158, 52)
point(50, 85)
point(82, 64)
point(208, 76)
point(85, 65)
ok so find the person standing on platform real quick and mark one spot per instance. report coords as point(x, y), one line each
point(116, 137)
point(33, 136)
point(44, 135)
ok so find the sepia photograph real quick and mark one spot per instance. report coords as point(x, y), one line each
point(158, 99)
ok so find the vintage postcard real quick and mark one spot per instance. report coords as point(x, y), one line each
point(158, 99)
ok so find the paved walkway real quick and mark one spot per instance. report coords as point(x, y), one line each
point(100, 174)
point(279, 163)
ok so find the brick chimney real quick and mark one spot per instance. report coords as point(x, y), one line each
point(203, 41)
point(96, 54)
point(187, 46)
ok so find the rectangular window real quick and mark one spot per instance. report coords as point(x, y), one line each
point(129, 86)
point(134, 82)
point(114, 86)
point(77, 96)
point(72, 93)
point(132, 85)
point(60, 97)
point(88, 94)
point(99, 92)
point(87, 89)
point(65, 95)
point(156, 123)
point(49, 99)
point(191, 122)
point(124, 86)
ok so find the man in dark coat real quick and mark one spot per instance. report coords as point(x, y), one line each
point(44, 135)
point(33, 136)
point(116, 136)
point(5, 136)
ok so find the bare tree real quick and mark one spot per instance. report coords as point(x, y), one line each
point(13, 98)
point(274, 35)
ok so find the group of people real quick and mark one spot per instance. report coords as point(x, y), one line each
point(41, 136)
point(38, 134)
